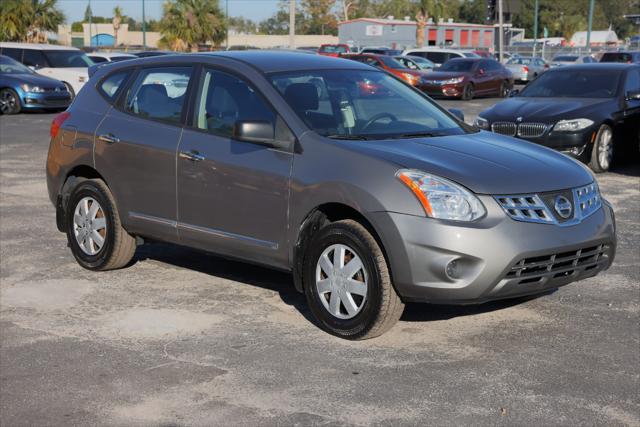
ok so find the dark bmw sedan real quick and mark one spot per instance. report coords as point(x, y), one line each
point(370, 199)
point(23, 89)
point(588, 111)
point(466, 78)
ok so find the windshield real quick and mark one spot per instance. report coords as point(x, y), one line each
point(333, 49)
point(390, 62)
point(566, 58)
point(9, 66)
point(362, 104)
point(458, 65)
point(574, 84)
point(471, 55)
point(67, 58)
point(519, 61)
point(422, 62)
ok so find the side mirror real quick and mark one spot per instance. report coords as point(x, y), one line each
point(633, 95)
point(254, 131)
point(458, 113)
point(514, 92)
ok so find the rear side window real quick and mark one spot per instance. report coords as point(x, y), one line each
point(225, 99)
point(159, 93)
point(437, 57)
point(97, 59)
point(34, 58)
point(109, 86)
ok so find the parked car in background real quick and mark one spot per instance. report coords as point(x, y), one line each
point(467, 78)
point(101, 57)
point(560, 60)
point(381, 51)
point(440, 56)
point(150, 53)
point(369, 201)
point(64, 63)
point(389, 64)
point(506, 56)
point(589, 111)
point(313, 49)
point(334, 49)
point(626, 57)
point(417, 63)
point(483, 53)
point(526, 68)
point(23, 89)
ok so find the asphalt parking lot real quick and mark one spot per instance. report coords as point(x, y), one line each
point(186, 338)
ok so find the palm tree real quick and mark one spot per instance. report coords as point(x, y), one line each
point(426, 9)
point(28, 20)
point(44, 16)
point(117, 22)
point(188, 23)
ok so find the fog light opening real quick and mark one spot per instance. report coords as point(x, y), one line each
point(452, 270)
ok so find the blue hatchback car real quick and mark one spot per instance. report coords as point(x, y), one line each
point(23, 89)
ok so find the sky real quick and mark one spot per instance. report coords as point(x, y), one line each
point(256, 10)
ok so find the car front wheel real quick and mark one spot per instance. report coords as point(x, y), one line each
point(9, 102)
point(70, 90)
point(347, 282)
point(467, 92)
point(94, 232)
point(602, 152)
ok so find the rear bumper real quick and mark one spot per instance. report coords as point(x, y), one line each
point(488, 254)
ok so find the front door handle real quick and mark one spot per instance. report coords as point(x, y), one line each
point(192, 155)
point(109, 138)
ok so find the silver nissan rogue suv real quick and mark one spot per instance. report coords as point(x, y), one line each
point(365, 189)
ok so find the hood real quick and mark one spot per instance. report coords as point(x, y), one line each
point(32, 79)
point(445, 75)
point(484, 162)
point(543, 110)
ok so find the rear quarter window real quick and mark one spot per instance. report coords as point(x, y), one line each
point(110, 86)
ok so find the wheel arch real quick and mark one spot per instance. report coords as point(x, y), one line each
point(72, 178)
point(317, 218)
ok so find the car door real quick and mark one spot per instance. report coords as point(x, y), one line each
point(631, 113)
point(233, 195)
point(135, 149)
point(483, 77)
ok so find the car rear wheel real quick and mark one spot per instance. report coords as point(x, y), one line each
point(94, 232)
point(504, 90)
point(602, 152)
point(467, 92)
point(347, 282)
point(9, 102)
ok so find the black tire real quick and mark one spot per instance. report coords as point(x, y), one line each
point(467, 92)
point(119, 246)
point(504, 90)
point(70, 90)
point(598, 160)
point(9, 102)
point(380, 309)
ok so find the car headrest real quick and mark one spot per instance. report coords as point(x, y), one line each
point(152, 93)
point(302, 96)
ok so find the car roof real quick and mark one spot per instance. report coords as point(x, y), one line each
point(276, 61)
point(611, 66)
point(439, 49)
point(36, 46)
point(111, 54)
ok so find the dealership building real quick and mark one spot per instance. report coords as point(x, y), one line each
point(400, 34)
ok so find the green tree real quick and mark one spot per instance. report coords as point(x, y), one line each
point(117, 19)
point(28, 20)
point(319, 15)
point(426, 9)
point(186, 24)
point(88, 13)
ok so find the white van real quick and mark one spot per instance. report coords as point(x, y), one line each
point(438, 55)
point(64, 63)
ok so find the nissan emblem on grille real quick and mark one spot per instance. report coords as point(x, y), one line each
point(563, 207)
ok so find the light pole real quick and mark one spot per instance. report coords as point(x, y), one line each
point(501, 35)
point(144, 28)
point(590, 24)
point(90, 31)
point(292, 24)
point(535, 29)
point(226, 5)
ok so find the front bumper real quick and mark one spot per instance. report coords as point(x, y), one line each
point(45, 100)
point(573, 143)
point(494, 257)
point(447, 91)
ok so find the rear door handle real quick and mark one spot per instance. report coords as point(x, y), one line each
point(109, 138)
point(192, 155)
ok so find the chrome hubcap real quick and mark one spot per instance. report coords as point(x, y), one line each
point(341, 281)
point(89, 226)
point(7, 102)
point(605, 149)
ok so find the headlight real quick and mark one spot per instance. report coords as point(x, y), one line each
point(572, 125)
point(411, 77)
point(453, 81)
point(32, 89)
point(442, 198)
point(481, 123)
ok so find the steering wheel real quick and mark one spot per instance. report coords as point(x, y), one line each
point(377, 117)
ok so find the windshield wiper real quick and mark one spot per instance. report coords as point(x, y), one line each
point(417, 135)
point(349, 137)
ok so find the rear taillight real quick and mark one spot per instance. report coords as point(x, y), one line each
point(57, 122)
point(525, 69)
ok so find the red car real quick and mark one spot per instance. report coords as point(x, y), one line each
point(467, 77)
point(333, 49)
point(389, 64)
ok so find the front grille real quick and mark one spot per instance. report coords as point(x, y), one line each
point(523, 130)
point(528, 208)
point(558, 265)
point(531, 130)
point(54, 102)
point(504, 128)
point(542, 208)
